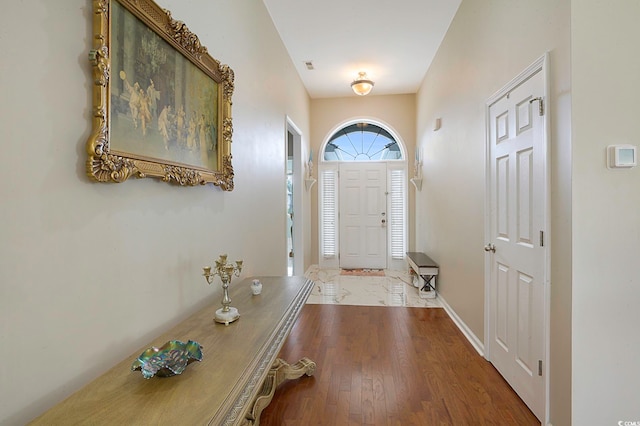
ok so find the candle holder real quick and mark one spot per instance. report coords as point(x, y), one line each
point(227, 314)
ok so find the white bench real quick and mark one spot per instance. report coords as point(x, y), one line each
point(425, 268)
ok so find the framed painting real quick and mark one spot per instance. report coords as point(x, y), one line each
point(161, 103)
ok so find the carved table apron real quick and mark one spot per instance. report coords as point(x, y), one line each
point(232, 384)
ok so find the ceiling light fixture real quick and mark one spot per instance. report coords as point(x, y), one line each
point(362, 85)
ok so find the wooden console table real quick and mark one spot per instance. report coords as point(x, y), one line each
point(232, 384)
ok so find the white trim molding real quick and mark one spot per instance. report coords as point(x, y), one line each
point(470, 335)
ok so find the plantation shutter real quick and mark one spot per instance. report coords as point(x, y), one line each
point(397, 215)
point(329, 213)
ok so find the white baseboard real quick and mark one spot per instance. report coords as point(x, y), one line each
point(471, 337)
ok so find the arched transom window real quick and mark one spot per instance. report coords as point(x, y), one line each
point(362, 142)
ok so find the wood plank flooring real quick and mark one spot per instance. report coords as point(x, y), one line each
point(390, 366)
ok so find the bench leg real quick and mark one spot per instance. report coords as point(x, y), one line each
point(427, 283)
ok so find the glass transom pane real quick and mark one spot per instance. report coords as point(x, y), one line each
point(362, 142)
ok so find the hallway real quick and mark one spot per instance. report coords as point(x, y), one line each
point(389, 366)
point(394, 288)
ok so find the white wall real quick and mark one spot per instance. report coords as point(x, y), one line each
point(489, 43)
point(606, 205)
point(90, 273)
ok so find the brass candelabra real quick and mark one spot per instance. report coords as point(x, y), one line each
point(227, 314)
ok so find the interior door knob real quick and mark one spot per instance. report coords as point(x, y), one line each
point(490, 247)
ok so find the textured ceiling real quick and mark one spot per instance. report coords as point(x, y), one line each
point(393, 41)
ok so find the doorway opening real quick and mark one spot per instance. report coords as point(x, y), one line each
point(293, 188)
point(362, 197)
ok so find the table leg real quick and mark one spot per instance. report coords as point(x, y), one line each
point(279, 373)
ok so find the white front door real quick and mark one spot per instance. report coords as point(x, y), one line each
point(517, 220)
point(363, 215)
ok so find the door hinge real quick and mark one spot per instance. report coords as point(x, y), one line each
point(539, 367)
point(540, 105)
point(541, 238)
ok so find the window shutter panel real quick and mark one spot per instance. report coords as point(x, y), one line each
point(329, 213)
point(397, 213)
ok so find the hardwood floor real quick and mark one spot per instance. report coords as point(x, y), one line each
point(390, 366)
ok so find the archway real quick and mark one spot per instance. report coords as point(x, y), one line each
point(362, 196)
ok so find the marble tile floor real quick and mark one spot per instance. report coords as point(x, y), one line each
point(394, 289)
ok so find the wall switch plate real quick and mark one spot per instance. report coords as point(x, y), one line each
point(622, 156)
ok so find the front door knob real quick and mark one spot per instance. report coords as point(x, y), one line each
point(490, 247)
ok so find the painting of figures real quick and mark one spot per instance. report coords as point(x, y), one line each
point(162, 106)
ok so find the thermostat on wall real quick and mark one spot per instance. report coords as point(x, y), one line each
point(622, 156)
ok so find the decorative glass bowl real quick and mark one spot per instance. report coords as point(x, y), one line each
point(168, 360)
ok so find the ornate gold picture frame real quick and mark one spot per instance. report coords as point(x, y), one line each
point(161, 103)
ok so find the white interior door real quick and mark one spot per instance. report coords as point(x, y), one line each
point(517, 199)
point(363, 215)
